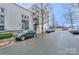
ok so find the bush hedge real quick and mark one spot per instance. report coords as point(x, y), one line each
point(4, 35)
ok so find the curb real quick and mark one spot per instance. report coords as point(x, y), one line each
point(9, 44)
point(6, 44)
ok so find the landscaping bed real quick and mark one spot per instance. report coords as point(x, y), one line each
point(4, 35)
point(5, 38)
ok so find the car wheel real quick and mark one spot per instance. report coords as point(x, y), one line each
point(22, 38)
point(34, 35)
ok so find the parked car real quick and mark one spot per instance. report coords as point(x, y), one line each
point(50, 30)
point(69, 29)
point(25, 34)
point(75, 30)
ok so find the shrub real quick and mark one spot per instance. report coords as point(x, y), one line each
point(4, 35)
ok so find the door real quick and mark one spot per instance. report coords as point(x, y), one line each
point(29, 34)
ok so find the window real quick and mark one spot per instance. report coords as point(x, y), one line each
point(25, 24)
point(2, 10)
point(27, 17)
point(24, 16)
point(1, 28)
point(1, 19)
point(1, 22)
point(23, 21)
point(34, 13)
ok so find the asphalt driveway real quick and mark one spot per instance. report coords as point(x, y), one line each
point(56, 43)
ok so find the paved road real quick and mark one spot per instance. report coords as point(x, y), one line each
point(57, 43)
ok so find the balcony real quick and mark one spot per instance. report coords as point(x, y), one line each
point(36, 21)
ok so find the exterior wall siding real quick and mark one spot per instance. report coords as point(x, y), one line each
point(13, 20)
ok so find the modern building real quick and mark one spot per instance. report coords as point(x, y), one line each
point(37, 18)
point(14, 17)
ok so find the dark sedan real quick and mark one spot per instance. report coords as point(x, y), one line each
point(25, 34)
point(50, 30)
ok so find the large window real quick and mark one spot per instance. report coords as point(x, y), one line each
point(25, 24)
point(1, 22)
point(1, 19)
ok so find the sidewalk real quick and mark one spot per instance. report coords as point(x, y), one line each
point(5, 42)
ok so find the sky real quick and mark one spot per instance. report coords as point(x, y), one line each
point(56, 8)
point(58, 11)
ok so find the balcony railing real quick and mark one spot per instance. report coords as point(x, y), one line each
point(36, 21)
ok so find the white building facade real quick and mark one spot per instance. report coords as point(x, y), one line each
point(37, 18)
point(14, 17)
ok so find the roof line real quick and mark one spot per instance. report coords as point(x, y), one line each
point(22, 7)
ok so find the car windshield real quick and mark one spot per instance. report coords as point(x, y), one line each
point(25, 31)
point(21, 32)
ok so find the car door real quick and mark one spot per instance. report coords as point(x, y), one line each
point(29, 34)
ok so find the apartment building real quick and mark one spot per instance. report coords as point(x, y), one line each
point(37, 18)
point(14, 17)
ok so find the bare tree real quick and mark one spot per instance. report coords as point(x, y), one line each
point(69, 17)
point(42, 16)
point(52, 15)
point(69, 14)
point(42, 7)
